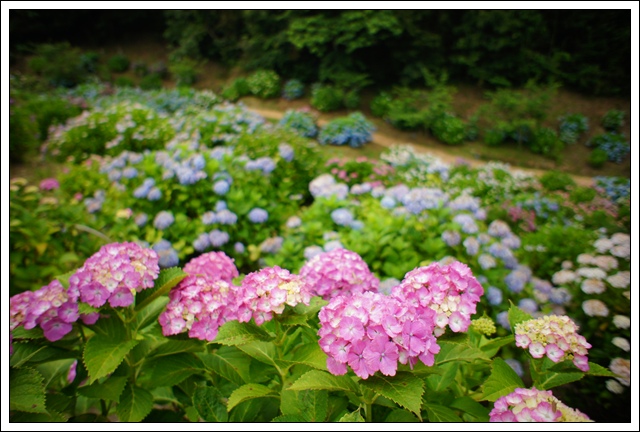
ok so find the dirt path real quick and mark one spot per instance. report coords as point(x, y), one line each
point(387, 141)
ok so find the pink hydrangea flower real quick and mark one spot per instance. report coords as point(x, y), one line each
point(451, 291)
point(216, 265)
point(372, 332)
point(115, 273)
point(337, 272)
point(49, 184)
point(533, 405)
point(554, 336)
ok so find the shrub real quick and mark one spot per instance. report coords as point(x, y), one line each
point(496, 135)
point(264, 84)
point(293, 89)
point(51, 110)
point(152, 81)
point(237, 89)
point(60, 64)
point(556, 180)
point(185, 71)
point(300, 122)
point(571, 127)
point(140, 68)
point(124, 81)
point(613, 120)
point(546, 142)
point(381, 104)
point(327, 98)
point(89, 61)
point(354, 130)
point(23, 133)
point(582, 194)
point(615, 145)
point(597, 158)
point(449, 129)
point(159, 68)
point(352, 99)
point(118, 63)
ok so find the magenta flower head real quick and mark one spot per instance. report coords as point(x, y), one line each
point(199, 304)
point(372, 332)
point(533, 405)
point(554, 336)
point(215, 265)
point(115, 273)
point(337, 272)
point(49, 184)
point(451, 291)
point(267, 291)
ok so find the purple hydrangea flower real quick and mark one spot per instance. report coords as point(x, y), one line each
point(342, 216)
point(163, 220)
point(221, 187)
point(218, 238)
point(258, 215)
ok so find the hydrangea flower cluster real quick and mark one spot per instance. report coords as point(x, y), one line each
point(258, 215)
point(215, 265)
point(325, 185)
point(337, 272)
point(451, 291)
point(372, 332)
point(163, 220)
point(533, 405)
point(114, 274)
point(267, 291)
point(556, 337)
point(52, 307)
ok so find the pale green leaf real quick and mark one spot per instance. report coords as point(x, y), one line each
point(457, 352)
point(101, 356)
point(289, 418)
point(167, 279)
point(502, 381)
point(441, 414)
point(401, 416)
point(26, 392)
point(135, 404)
point(249, 391)
point(309, 354)
point(404, 389)
point(229, 363)
point(237, 333)
point(516, 316)
point(353, 417)
point(110, 389)
point(320, 380)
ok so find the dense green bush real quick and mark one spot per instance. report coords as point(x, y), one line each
point(327, 97)
point(51, 110)
point(449, 129)
point(293, 89)
point(185, 71)
point(153, 81)
point(300, 122)
point(236, 89)
point(557, 181)
point(571, 127)
point(354, 130)
point(613, 120)
point(597, 158)
point(123, 81)
point(615, 145)
point(264, 84)
point(118, 63)
point(582, 194)
point(140, 68)
point(381, 104)
point(23, 132)
point(546, 142)
point(60, 64)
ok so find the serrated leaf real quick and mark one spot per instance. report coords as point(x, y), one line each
point(48, 417)
point(314, 404)
point(247, 411)
point(289, 418)
point(86, 309)
point(264, 352)
point(401, 416)
point(22, 333)
point(442, 382)
point(135, 404)
point(249, 391)
point(64, 278)
point(229, 363)
point(516, 316)
point(110, 328)
point(315, 304)
point(110, 389)
point(237, 333)
point(167, 279)
point(502, 381)
point(550, 380)
point(492, 346)
point(208, 401)
point(440, 413)
point(149, 314)
point(101, 356)
point(309, 354)
point(404, 389)
point(597, 370)
point(26, 392)
point(320, 380)
point(172, 346)
point(170, 370)
point(24, 352)
point(353, 417)
point(453, 351)
point(293, 319)
point(471, 407)
point(52, 370)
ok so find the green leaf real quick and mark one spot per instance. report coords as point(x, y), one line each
point(516, 316)
point(315, 404)
point(454, 351)
point(315, 304)
point(26, 392)
point(149, 314)
point(102, 356)
point(167, 279)
point(401, 416)
point(237, 333)
point(229, 363)
point(289, 418)
point(110, 328)
point(135, 404)
point(439, 413)
point(86, 309)
point(502, 381)
point(471, 407)
point(208, 401)
point(264, 352)
point(64, 278)
point(548, 380)
point(492, 346)
point(353, 417)
point(22, 333)
point(309, 354)
point(170, 370)
point(597, 370)
point(442, 382)
point(172, 346)
point(247, 411)
point(320, 380)
point(249, 391)
point(110, 389)
point(404, 389)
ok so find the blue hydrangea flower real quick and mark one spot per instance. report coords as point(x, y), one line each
point(333, 244)
point(202, 242)
point(226, 217)
point(467, 223)
point(141, 219)
point(272, 245)
point(503, 319)
point(209, 218)
point(486, 261)
point(168, 258)
point(163, 220)
point(357, 225)
point(512, 241)
point(494, 296)
point(294, 222)
point(220, 205)
point(285, 151)
point(311, 251)
point(258, 215)
point(517, 279)
point(161, 245)
point(218, 238)
point(198, 162)
point(359, 189)
point(238, 247)
point(528, 305)
point(114, 175)
point(342, 216)
point(388, 202)
point(154, 194)
point(560, 296)
point(221, 187)
point(472, 245)
point(451, 238)
point(130, 172)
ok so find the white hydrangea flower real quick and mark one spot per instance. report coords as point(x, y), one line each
point(602, 245)
point(622, 321)
point(621, 343)
point(605, 262)
point(595, 308)
point(622, 368)
point(585, 259)
point(614, 386)
point(563, 276)
point(591, 273)
point(620, 280)
point(593, 286)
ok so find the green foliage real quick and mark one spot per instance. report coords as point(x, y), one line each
point(60, 64)
point(118, 63)
point(449, 129)
point(153, 81)
point(545, 141)
point(123, 81)
point(326, 97)
point(571, 127)
point(598, 157)
point(354, 130)
point(236, 89)
point(381, 104)
point(140, 68)
point(301, 122)
point(582, 194)
point(185, 71)
point(613, 120)
point(557, 181)
point(23, 132)
point(293, 89)
point(264, 84)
